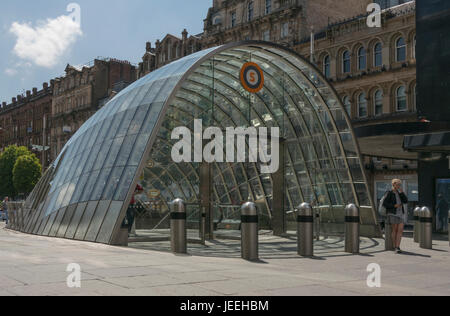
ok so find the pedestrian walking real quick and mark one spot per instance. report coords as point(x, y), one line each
point(442, 212)
point(131, 212)
point(397, 211)
point(5, 209)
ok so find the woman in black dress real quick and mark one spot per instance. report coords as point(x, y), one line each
point(396, 212)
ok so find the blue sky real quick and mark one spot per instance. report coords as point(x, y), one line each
point(37, 39)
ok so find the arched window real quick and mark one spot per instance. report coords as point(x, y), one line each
point(402, 105)
point(169, 50)
point(378, 100)
point(268, 6)
point(400, 50)
point(362, 106)
point(177, 51)
point(362, 59)
point(346, 62)
point(326, 66)
point(347, 105)
point(250, 11)
point(378, 55)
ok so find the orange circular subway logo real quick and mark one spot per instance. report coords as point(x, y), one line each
point(252, 77)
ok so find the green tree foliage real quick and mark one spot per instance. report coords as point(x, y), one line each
point(26, 173)
point(7, 161)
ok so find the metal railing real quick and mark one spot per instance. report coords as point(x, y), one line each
point(15, 215)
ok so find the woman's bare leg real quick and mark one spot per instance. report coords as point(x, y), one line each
point(400, 230)
point(394, 235)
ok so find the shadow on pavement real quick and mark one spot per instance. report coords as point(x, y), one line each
point(406, 253)
point(270, 247)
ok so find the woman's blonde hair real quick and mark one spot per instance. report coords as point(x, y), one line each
point(395, 181)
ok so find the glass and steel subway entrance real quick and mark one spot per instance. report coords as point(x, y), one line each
point(86, 192)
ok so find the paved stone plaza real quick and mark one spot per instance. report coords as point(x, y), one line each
point(31, 265)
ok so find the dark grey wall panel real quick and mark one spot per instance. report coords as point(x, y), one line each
point(108, 224)
point(86, 220)
point(49, 224)
point(57, 222)
point(72, 229)
point(66, 221)
point(97, 220)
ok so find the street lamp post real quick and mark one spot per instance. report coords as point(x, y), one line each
point(44, 123)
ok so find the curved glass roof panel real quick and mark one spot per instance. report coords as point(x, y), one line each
point(85, 193)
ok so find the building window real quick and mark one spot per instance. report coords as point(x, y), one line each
point(347, 105)
point(400, 50)
point(326, 66)
point(346, 62)
point(362, 60)
point(378, 55)
point(401, 99)
point(268, 6)
point(378, 97)
point(217, 20)
point(233, 19)
point(266, 36)
point(284, 30)
point(414, 47)
point(250, 11)
point(362, 105)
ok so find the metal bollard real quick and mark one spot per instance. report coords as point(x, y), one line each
point(249, 232)
point(448, 227)
point(178, 227)
point(305, 230)
point(389, 243)
point(352, 229)
point(417, 224)
point(426, 229)
point(203, 226)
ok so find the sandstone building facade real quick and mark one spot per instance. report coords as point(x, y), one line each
point(25, 122)
point(83, 91)
point(167, 50)
point(282, 21)
point(374, 72)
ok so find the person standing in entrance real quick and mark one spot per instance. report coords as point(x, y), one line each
point(396, 212)
point(131, 212)
point(5, 209)
point(442, 212)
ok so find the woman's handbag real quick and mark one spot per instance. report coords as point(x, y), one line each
point(382, 210)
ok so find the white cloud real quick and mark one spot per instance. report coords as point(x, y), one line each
point(46, 43)
point(10, 72)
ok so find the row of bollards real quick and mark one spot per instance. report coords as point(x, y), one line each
point(423, 229)
point(305, 230)
point(249, 230)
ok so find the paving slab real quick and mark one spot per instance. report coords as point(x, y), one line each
point(35, 265)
